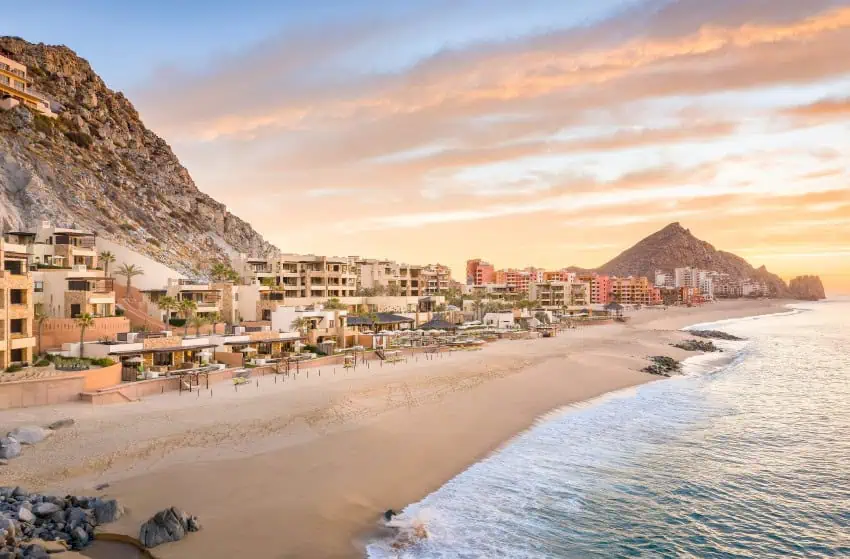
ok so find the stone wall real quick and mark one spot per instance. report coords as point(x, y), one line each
point(40, 392)
point(58, 331)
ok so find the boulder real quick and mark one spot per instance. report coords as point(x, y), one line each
point(25, 515)
point(46, 509)
point(61, 424)
point(9, 448)
point(108, 511)
point(75, 516)
point(168, 525)
point(80, 537)
point(29, 434)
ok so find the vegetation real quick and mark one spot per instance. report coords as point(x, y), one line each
point(542, 317)
point(80, 138)
point(13, 368)
point(267, 282)
point(84, 322)
point(187, 308)
point(223, 272)
point(196, 322)
point(106, 258)
point(39, 316)
point(214, 319)
point(43, 123)
point(129, 271)
point(335, 304)
point(177, 322)
point(302, 324)
point(41, 363)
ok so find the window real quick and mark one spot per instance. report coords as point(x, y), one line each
point(163, 359)
point(16, 326)
point(331, 323)
point(38, 286)
point(17, 297)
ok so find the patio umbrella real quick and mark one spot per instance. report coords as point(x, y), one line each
point(248, 350)
point(134, 360)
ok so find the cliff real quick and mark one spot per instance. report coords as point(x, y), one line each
point(99, 168)
point(676, 247)
point(809, 288)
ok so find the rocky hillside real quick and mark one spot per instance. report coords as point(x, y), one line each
point(675, 247)
point(809, 288)
point(97, 166)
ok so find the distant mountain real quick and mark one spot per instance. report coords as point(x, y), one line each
point(675, 247)
point(98, 167)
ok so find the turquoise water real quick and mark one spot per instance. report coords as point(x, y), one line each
point(747, 456)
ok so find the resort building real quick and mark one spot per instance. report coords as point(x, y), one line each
point(600, 287)
point(62, 247)
point(552, 294)
point(518, 281)
point(16, 88)
point(16, 306)
point(319, 277)
point(479, 272)
point(208, 298)
point(501, 320)
point(488, 291)
point(390, 278)
point(436, 279)
point(663, 279)
point(68, 293)
point(559, 275)
point(316, 326)
point(254, 269)
point(634, 291)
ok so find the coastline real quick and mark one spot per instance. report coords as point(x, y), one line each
point(307, 470)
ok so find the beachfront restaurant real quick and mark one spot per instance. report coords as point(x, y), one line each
point(379, 322)
point(264, 345)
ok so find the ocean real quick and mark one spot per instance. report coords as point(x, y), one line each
point(747, 455)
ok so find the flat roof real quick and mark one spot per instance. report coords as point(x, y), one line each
point(162, 349)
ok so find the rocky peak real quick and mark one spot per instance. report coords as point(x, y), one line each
point(97, 165)
point(809, 288)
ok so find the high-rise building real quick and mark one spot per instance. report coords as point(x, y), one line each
point(479, 272)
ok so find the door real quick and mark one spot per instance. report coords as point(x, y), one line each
point(75, 310)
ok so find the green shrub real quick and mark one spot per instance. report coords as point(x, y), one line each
point(127, 227)
point(153, 242)
point(119, 311)
point(14, 368)
point(178, 322)
point(43, 124)
point(102, 362)
point(41, 363)
point(80, 138)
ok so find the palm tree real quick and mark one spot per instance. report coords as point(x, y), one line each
point(186, 308)
point(196, 322)
point(168, 304)
point(106, 258)
point(84, 321)
point(223, 272)
point(335, 304)
point(39, 316)
point(214, 319)
point(302, 324)
point(129, 271)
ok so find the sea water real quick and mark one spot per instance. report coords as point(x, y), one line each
point(747, 456)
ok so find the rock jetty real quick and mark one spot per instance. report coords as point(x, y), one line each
point(715, 334)
point(33, 524)
point(663, 366)
point(697, 345)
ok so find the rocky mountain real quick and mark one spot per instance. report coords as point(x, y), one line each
point(99, 168)
point(675, 247)
point(809, 288)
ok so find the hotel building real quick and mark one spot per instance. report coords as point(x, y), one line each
point(16, 88)
point(634, 291)
point(479, 272)
point(16, 306)
point(390, 277)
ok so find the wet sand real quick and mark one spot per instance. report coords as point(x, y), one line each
point(304, 468)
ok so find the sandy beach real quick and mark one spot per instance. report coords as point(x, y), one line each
point(304, 468)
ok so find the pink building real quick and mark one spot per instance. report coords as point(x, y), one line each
point(479, 272)
point(600, 288)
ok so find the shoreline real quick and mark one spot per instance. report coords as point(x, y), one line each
point(314, 466)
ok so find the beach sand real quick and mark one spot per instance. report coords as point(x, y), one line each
point(304, 468)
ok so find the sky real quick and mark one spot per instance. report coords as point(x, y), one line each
point(543, 132)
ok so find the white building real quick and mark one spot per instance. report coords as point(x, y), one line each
point(501, 320)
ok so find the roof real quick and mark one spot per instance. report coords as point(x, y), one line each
point(438, 324)
point(162, 349)
point(380, 318)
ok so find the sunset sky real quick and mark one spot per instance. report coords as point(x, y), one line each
point(548, 133)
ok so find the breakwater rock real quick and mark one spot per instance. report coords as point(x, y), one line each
point(715, 334)
point(697, 345)
point(663, 366)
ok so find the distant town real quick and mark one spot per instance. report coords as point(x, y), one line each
point(60, 288)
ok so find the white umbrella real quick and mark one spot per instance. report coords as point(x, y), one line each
point(248, 350)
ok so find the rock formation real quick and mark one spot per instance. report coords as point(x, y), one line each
point(809, 288)
point(98, 167)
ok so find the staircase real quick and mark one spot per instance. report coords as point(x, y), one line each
point(136, 309)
